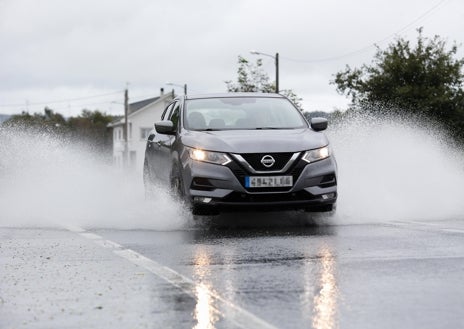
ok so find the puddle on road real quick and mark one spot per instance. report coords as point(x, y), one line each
point(389, 169)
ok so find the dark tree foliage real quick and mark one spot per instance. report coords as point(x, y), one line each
point(252, 78)
point(90, 128)
point(423, 78)
point(48, 121)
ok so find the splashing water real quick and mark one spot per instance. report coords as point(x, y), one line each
point(390, 168)
point(396, 168)
point(45, 181)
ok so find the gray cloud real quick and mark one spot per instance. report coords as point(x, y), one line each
point(54, 49)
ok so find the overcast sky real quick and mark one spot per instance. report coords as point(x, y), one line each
point(71, 55)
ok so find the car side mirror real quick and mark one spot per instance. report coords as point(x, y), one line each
point(165, 127)
point(319, 124)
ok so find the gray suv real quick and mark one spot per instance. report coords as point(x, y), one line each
point(241, 151)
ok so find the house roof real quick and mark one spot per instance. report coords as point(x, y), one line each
point(134, 107)
point(138, 106)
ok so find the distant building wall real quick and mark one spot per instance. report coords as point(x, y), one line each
point(140, 123)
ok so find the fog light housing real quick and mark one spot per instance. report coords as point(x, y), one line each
point(202, 199)
point(328, 196)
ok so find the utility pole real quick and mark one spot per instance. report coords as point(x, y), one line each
point(175, 84)
point(277, 72)
point(125, 130)
point(276, 62)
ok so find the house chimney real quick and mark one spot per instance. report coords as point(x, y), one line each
point(161, 91)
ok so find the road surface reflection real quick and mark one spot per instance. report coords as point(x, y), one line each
point(325, 300)
point(205, 313)
point(317, 294)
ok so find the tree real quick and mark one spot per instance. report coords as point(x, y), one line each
point(252, 78)
point(90, 128)
point(48, 121)
point(423, 78)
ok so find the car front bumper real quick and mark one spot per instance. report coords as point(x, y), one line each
point(213, 188)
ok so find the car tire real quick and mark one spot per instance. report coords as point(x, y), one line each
point(178, 189)
point(177, 185)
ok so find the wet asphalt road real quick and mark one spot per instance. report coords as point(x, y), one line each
point(384, 275)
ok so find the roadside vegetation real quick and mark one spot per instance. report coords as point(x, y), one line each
point(424, 79)
point(252, 78)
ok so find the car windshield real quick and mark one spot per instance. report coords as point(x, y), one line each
point(228, 113)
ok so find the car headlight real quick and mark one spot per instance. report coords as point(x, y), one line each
point(208, 156)
point(317, 154)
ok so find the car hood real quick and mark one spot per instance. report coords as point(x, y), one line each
point(255, 141)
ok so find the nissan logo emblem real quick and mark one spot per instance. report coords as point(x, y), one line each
point(267, 161)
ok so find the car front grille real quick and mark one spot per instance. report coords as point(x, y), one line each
point(254, 159)
point(294, 170)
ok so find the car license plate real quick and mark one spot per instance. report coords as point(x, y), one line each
point(268, 181)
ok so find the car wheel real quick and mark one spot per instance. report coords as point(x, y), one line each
point(177, 185)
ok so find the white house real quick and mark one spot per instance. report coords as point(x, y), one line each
point(141, 117)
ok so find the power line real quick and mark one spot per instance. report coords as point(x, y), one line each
point(83, 106)
point(61, 100)
point(73, 105)
point(363, 49)
point(408, 26)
